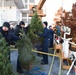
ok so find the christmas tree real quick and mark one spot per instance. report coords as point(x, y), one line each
point(35, 27)
point(26, 56)
point(5, 66)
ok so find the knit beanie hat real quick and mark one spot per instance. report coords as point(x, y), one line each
point(45, 23)
point(6, 24)
point(21, 23)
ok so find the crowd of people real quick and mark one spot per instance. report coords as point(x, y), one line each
point(12, 35)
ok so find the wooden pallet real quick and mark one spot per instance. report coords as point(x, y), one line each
point(59, 52)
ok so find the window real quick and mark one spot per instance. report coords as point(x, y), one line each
point(31, 1)
point(25, 20)
point(24, 14)
point(26, 6)
point(25, 1)
point(29, 20)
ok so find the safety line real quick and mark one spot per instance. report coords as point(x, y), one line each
point(52, 63)
point(45, 53)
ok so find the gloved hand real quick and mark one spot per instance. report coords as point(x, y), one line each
point(35, 32)
point(20, 34)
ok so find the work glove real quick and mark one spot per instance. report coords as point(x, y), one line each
point(36, 32)
point(20, 35)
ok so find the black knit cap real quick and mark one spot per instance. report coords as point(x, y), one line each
point(21, 23)
point(45, 22)
point(6, 24)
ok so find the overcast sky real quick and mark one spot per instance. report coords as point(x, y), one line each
point(51, 7)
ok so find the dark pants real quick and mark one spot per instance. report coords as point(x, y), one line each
point(45, 58)
point(18, 65)
point(45, 49)
point(51, 43)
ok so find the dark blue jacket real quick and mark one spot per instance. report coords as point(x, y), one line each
point(8, 36)
point(45, 35)
point(51, 34)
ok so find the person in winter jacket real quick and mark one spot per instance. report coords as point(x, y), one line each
point(20, 27)
point(18, 32)
point(51, 36)
point(5, 31)
point(45, 35)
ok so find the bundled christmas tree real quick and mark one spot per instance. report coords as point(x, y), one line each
point(26, 56)
point(35, 27)
point(5, 66)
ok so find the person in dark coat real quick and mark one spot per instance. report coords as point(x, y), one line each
point(18, 33)
point(12, 32)
point(12, 29)
point(20, 27)
point(45, 35)
point(5, 31)
point(58, 28)
point(51, 35)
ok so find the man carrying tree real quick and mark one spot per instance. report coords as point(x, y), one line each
point(45, 35)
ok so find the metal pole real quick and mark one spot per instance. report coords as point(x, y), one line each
point(70, 67)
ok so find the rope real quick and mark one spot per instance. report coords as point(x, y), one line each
point(45, 53)
point(52, 60)
point(52, 63)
